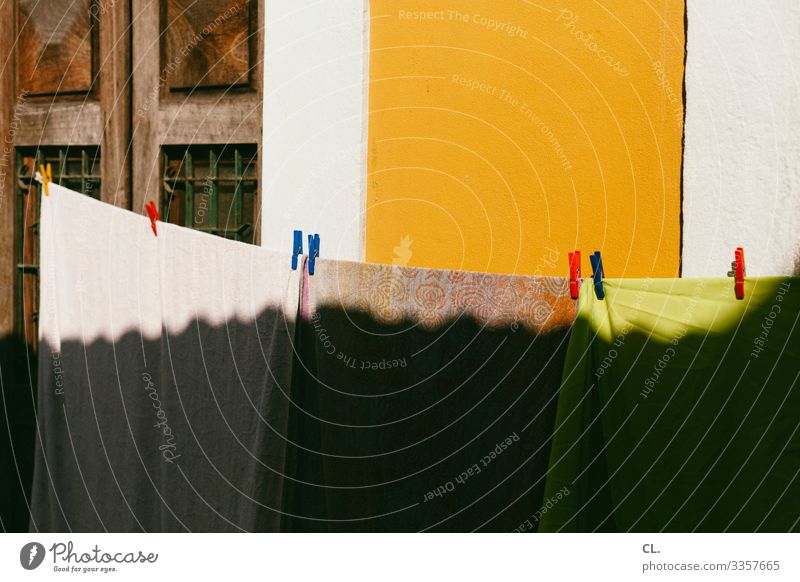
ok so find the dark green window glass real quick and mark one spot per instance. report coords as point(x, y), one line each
point(212, 189)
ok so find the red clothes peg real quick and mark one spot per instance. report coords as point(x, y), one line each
point(153, 213)
point(574, 273)
point(739, 272)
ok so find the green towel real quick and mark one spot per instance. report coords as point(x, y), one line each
point(679, 410)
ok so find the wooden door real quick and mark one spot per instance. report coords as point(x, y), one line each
point(164, 106)
point(197, 82)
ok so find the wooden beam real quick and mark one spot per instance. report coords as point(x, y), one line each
point(7, 165)
point(230, 118)
point(145, 102)
point(115, 97)
point(60, 123)
point(257, 63)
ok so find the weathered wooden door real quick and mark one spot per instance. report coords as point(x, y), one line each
point(196, 115)
point(131, 101)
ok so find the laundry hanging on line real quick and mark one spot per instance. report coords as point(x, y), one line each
point(678, 410)
point(164, 370)
point(425, 398)
point(168, 403)
point(184, 385)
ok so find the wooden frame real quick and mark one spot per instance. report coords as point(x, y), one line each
point(185, 118)
point(7, 171)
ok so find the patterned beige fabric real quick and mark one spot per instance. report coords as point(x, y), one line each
point(409, 377)
point(430, 298)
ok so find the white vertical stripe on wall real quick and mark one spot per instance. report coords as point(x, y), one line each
point(742, 156)
point(315, 104)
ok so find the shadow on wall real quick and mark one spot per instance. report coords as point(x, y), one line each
point(351, 425)
point(17, 429)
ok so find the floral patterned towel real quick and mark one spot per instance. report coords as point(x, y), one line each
point(431, 297)
point(423, 400)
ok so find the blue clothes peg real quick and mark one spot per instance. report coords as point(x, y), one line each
point(597, 274)
point(313, 252)
point(297, 248)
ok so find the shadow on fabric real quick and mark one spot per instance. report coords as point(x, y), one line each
point(396, 429)
point(415, 430)
point(678, 410)
point(17, 429)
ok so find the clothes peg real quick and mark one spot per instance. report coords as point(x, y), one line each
point(297, 248)
point(313, 252)
point(153, 213)
point(574, 273)
point(47, 177)
point(597, 274)
point(739, 272)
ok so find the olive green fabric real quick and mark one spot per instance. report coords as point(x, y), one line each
point(679, 409)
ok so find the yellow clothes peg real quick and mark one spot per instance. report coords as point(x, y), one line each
point(47, 177)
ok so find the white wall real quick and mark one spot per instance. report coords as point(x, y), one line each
point(742, 156)
point(315, 103)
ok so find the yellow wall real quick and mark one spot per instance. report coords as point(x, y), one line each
point(503, 134)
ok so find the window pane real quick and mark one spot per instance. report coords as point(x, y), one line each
point(207, 43)
point(212, 188)
point(55, 50)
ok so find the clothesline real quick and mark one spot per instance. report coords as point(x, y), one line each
point(738, 269)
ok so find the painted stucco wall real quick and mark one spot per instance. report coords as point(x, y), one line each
point(742, 165)
point(504, 134)
point(315, 100)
